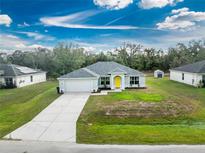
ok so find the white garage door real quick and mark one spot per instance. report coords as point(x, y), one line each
point(80, 85)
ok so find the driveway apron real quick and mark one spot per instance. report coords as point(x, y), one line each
point(57, 122)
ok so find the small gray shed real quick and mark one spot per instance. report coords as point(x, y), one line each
point(158, 74)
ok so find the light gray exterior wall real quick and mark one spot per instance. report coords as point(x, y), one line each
point(189, 78)
point(141, 82)
point(24, 80)
point(2, 81)
point(125, 81)
point(112, 82)
point(92, 84)
point(78, 84)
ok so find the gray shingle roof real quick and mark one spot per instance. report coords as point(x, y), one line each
point(104, 68)
point(198, 67)
point(117, 70)
point(80, 73)
point(16, 70)
point(101, 68)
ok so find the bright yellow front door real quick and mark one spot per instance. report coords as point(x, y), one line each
point(117, 82)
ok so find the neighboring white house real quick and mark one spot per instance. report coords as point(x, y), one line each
point(191, 74)
point(158, 74)
point(19, 76)
point(101, 75)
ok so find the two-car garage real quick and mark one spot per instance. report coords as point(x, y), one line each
point(78, 85)
point(81, 80)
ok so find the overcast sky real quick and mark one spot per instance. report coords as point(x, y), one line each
point(99, 25)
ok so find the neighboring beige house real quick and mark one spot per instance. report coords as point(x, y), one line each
point(19, 76)
point(101, 75)
point(191, 74)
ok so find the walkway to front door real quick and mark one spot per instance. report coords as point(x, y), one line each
point(55, 123)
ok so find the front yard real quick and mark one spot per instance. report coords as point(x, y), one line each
point(18, 106)
point(165, 113)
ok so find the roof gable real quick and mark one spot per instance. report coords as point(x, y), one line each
point(104, 68)
point(8, 70)
point(117, 70)
point(80, 73)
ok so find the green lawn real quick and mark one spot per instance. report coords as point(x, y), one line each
point(18, 106)
point(166, 112)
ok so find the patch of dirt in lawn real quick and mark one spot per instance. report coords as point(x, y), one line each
point(147, 110)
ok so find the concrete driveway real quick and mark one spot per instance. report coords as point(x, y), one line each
point(55, 123)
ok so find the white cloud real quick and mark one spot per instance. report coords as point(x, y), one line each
point(185, 9)
point(23, 25)
point(89, 49)
point(5, 20)
point(93, 47)
point(12, 36)
point(11, 43)
point(182, 19)
point(172, 38)
point(35, 46)
point(164, 40)
point(72, 20)
point(148, 4)
point(20, 46)
point(113, 4)
point(37, 36)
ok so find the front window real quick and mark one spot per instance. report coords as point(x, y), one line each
point(105, 80)
point(134, 80)
point(9, 81)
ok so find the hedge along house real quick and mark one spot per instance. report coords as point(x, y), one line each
point(19, 76)
point(191, 74)
point(101, 75)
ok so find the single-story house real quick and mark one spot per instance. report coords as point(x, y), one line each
point(191, 74)
point(158, 74)
point(19, 76)
point(100, 75)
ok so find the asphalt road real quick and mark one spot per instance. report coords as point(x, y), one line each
point(62, 147)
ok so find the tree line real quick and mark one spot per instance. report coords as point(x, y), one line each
point(66, 57)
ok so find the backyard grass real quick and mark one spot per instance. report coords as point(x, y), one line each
point(166, 112)
point(18, 106)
